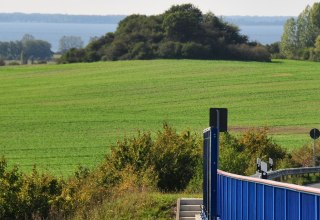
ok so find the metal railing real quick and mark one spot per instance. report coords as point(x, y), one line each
point(292, 171)
point(288, 172)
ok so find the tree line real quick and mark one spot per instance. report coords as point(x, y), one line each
point(27, 48)
point(30, 48)
point(181, 32)
point(301, 36)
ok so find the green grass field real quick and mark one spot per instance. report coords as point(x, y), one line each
point(61, 116)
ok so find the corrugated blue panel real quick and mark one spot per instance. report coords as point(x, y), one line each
point(260, 201)
point(268, 203)
point(307, 205)
point(252, 201)
point(220, 192)
point(239, 200)
point(318, 207)
point(279, 204)
point(245, 200)
point(242, 200)
point(233, 198)
point(229, 199)
point(293, 205)
point(225, 198)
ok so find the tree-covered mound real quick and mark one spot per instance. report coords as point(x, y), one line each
point(182, 32)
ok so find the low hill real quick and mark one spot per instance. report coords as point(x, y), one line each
point(60, 116)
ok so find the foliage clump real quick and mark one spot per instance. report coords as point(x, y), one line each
point(181, 32)
point(303, 157)
point(238, 155)
point(170, 160)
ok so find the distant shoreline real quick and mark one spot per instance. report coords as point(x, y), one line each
point(115, 19)
point(60, 18)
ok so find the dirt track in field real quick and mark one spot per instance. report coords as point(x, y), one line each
point(275, 130)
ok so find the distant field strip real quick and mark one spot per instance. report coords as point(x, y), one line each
point(62, 116)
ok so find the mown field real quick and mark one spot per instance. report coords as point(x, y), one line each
point(62, 116)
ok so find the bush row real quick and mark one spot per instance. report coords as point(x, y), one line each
point(166, 161)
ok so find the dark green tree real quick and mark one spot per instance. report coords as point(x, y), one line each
point(37, 49)
point(182, 22)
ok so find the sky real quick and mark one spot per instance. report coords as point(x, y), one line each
point(150, 7)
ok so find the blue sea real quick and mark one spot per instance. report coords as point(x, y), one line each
point(265, 34)
point(52, 32)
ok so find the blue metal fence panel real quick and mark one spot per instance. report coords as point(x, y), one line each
point(239, 199)
point(293, 203)
point(233, 198)
point(279, 204)
point(260, 201)
point(245, 200)
point(307, 205)
point(252, 201)
point(268, 202)
point(318, 205)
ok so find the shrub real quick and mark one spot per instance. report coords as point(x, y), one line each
point(142, 51)
point(73, 56)
point(303, 157)
point(10, 186)
point(175, 158)
point(238, 155)
point(172, 158)
point(194, 50)
point(246, 53)
point(170, 49)
point(231, 156)
point(37, 193)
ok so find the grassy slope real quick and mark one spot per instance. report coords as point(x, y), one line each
point(59, 116)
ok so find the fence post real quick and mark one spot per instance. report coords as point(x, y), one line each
point(218, 123)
